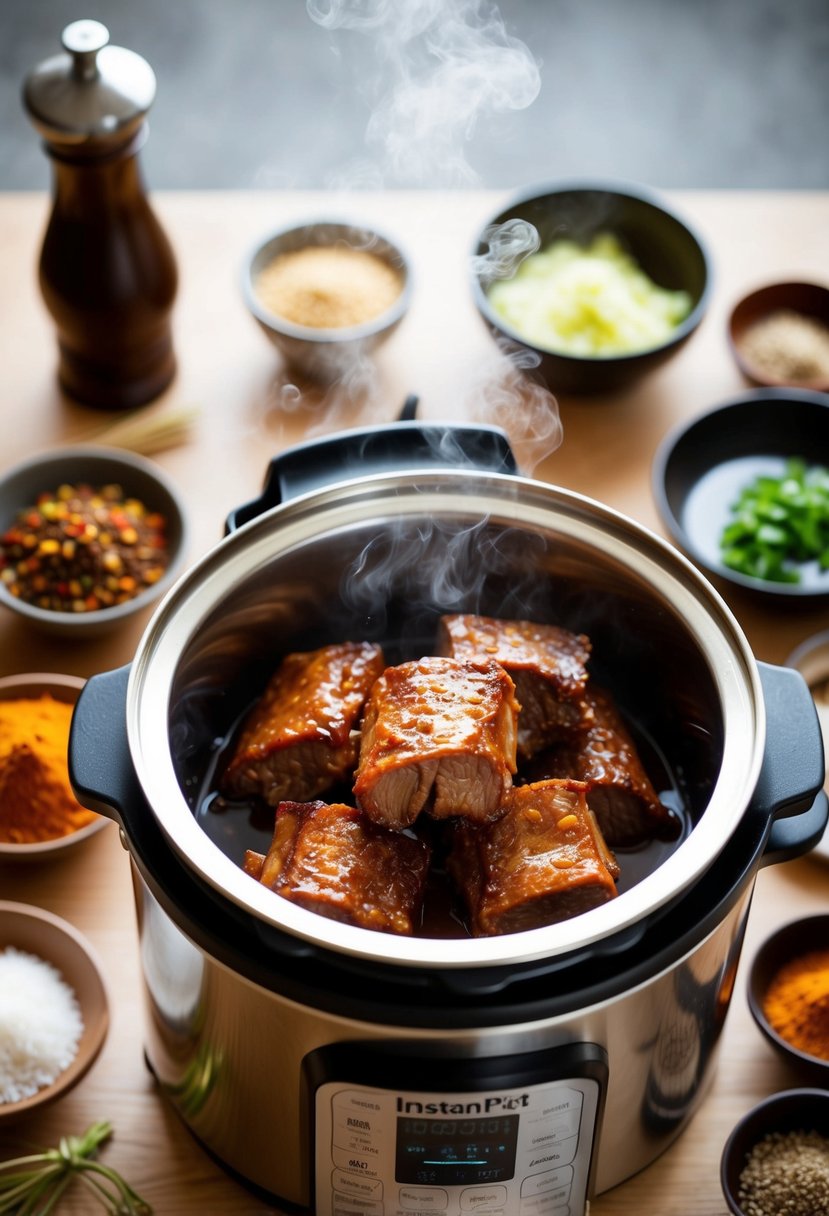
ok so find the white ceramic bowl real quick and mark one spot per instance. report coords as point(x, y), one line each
point(326, 355)
point(34, 931)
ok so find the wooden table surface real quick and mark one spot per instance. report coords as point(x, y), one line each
point(248, 410)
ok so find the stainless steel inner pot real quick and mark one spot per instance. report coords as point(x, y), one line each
point(381, 558)
point(258, 1008)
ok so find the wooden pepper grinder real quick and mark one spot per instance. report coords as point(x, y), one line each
point(107, 272)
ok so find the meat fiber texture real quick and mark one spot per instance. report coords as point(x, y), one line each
point(620, 793)
point(438, 735)
point(542, 862)
point(302, 734)
point(331, 860)
point(547, 663)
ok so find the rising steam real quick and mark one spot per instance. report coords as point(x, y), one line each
point(443, 66)
point(440, 70)
point(507, 245)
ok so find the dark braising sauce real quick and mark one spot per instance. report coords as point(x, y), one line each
point(235, 826)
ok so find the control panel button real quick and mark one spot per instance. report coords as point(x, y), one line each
point(423, 1199)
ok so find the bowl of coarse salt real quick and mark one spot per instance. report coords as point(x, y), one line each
point(54, 1011)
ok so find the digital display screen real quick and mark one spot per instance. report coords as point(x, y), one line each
point(456, 1152)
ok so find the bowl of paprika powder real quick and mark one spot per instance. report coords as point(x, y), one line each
point(39, 815)
point(788, 995)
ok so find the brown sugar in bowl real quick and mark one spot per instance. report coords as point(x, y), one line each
point(327, 294)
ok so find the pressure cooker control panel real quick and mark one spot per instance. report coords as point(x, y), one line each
point(518, 1151)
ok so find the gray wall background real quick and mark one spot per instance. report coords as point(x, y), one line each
point(258, 93)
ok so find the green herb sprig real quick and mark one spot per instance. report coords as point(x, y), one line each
point(779, 522)
point(33, 1185)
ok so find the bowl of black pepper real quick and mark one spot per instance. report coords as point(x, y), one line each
point(89, 536)
point(776, 1159)
point(779, 336)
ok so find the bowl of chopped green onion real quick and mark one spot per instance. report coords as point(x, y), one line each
point(744, 490)
point(590, 285)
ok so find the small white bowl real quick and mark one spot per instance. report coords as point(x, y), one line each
point(326, 355)
point(61, 688)
point(96, 466)
point(34, 931)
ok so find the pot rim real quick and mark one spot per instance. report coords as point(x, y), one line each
point(517, 502)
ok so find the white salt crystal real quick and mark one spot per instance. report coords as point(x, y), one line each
point(40, 1024)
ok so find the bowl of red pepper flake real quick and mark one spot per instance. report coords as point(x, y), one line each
point(88, 536)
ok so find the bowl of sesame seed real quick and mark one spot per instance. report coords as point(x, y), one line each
point(88, 537)
point(776, 1159)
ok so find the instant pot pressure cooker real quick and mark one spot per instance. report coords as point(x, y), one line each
point(342, 1071)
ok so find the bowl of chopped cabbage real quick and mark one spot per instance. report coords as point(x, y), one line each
point(744, 489)
point(599, 283)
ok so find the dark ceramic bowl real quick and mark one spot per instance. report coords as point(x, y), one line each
point(97, 466)
point(701, 466)
point(663, 244)
point(807, 299)
point(792, 941)
point(326, 355)
point(792, 1110)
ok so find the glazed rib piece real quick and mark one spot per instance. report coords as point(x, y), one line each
point(302, 734)
point(438, 735)
point(331, 860)
point(620, 793)
point(544, 861)
point(547, 663)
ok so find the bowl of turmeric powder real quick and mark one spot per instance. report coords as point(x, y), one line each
point(39, 815)
point(788, 995)
point(327, 293)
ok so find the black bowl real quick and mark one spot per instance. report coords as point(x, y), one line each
point(662, 243)
point(800, 937)
point(701, 466)
point(789, 1111)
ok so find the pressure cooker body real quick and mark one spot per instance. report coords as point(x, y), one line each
point(595, 1088)
point(333, 1067)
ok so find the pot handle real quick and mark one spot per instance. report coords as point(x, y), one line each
point(395, 447)
point(790, 838)
point(101, 776)
point(789, 788)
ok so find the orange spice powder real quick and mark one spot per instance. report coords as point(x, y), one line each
point(796, 1003)
point(36, 799)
